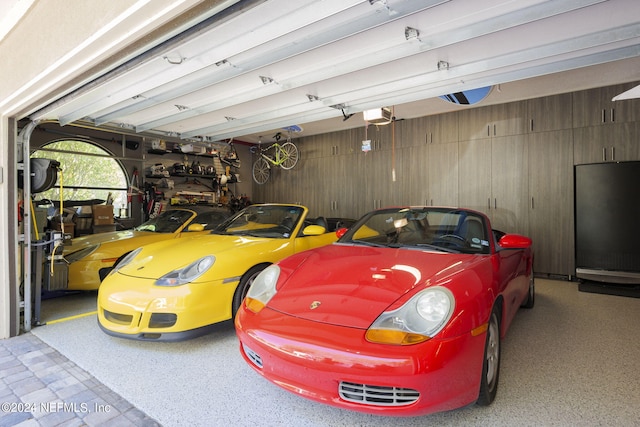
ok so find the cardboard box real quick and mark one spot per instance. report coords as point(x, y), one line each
point(102, 214)
point(69, 228)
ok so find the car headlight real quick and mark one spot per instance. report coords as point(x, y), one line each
point(263, 288)
point(78, 255)
point(418, 320)
point(124, 261)
point(187, 274)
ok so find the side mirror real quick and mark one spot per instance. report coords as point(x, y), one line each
point(313, 230)
point(195, 227)
point(514, 241)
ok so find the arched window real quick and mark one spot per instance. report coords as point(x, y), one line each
point(87, 172)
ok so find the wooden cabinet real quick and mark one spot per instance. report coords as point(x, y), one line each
point(509, 184)
point(494, 180)
point(550, 215)
point(474, 170)
point(443, 177)
point(436, 129)
point(595, 107)
point(491, 121)
point(414, 178)
point(549, 113)
point(614, 142)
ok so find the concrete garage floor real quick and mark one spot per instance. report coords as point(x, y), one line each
point(571, 360)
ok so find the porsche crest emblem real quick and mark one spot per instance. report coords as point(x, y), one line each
point(314, 305)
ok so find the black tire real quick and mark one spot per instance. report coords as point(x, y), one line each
point(243, 287)
point(491, 361)
point(261, 171)
point(531, 296)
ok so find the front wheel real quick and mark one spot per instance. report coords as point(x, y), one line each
point(243, 287)
point(491, 362)
point(261, 171)
point(289, 154)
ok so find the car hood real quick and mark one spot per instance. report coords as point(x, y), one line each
point(352, 285)
point(157, 259)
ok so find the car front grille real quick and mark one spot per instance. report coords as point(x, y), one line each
point(120, 319)
point(253, 356)
point(377, 395)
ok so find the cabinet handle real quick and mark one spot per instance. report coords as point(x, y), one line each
point(494, 129)
point(604, 116)
point(604, 154)
point(531, 125)
point(613, 153)
point(613, 115)
point(532, 203)
point(489, 203)
point(488, 130)
point(495, 203)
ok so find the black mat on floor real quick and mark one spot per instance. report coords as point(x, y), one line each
point(610, 289)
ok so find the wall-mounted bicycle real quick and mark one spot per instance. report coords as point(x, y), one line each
point(284, 155)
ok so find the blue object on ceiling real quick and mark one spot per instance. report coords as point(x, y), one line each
point(468, 97)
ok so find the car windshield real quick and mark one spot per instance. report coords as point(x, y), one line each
point(167, 222)
point(274, 221)
point(442, 229)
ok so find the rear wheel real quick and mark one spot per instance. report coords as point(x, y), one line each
point(243, 287)
point(531, 296)
point(261, 171)
point(491, 363)
point(289, 152)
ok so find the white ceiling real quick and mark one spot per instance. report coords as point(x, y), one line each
point(260, 66)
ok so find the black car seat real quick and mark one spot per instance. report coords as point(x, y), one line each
point(322, 221)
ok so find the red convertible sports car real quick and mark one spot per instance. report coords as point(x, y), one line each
point(403, 315)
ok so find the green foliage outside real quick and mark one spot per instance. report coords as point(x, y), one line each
point(83, 165)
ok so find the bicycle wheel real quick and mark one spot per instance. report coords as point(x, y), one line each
point(289, 155)
point(261, 171)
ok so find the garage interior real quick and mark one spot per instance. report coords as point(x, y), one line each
point(186, 81)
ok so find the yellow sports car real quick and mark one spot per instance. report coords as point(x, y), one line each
point(174, 290)
point(90, 258)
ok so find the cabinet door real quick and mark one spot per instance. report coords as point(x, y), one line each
point(474, 123)
point(508, 119)
point(414, 179)
point(595, 107)
point(551, 201)
point(615, 142)
point(443, 174)
point(549, 113)
point(474, 169)
point(510, 184)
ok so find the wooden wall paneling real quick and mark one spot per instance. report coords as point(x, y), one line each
point(551, 216)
